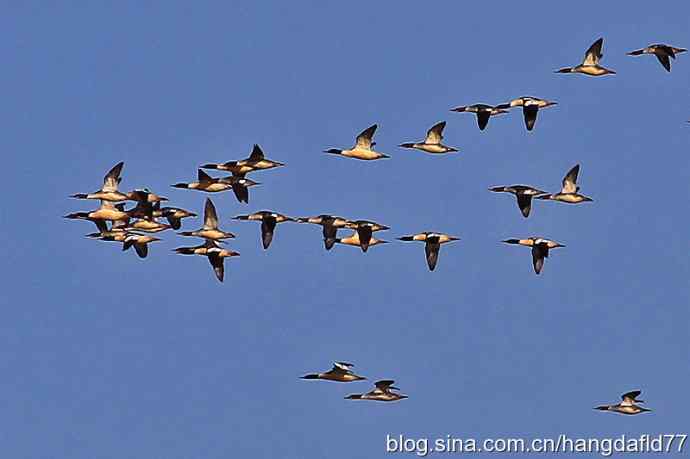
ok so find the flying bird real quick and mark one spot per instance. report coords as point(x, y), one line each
point(354, 240)
point(109, 190)
point(432, 244)
point(530, 107)
point(364, 229)
point(569, 191)
point(215, 185)
point(341, 372)
point(483, 112)
point(362, 148)
point(628, 405)
point(210, 229)
point(523, 193)
point(664, 53)
point(140, 242)
point(590, 64)
point(268, 220)
point(432, 142)
point(255, 162)
point(382, 393)
point(540, 249)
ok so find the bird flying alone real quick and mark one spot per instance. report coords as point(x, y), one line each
point(432, 142)
point(569, 191)
point(530, 107)
point(483, 112)
point(383, 392)
point(664, 53)
point(362, 148)
point(628, 405)
point(268, 220)
point(590, 64)
point(432, 244)
point(540, 249)
point(341, 372)
point(523, 193)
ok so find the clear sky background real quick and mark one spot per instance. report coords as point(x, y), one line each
point(104, 355)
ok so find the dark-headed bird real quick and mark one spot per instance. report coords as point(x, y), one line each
point(215, 256)
point(255, 162)
point(382, 393)
point(540, 249)
point(523, 193)
point(664, 53)
point(107, 211)
point(483, 112)
point(210, 229)
point(628, 405)
point(330, 224)
point(215, 185)
point(432, 142)
point(569, 191)
point(354, 240)
point(341, 372)
point(432, 244)
point(362, 148)
point(364, 229)
point(174, 215)
point(268, 220)
point(590, 64)
point(140, 242)
point(109, 190)
point(530, 107)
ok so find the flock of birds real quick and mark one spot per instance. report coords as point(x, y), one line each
point(133, 227)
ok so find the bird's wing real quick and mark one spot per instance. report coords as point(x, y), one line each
point(363, 141)
point(629, 397)
point(435, 134)
point(664, 60)
point(210, 216)
point(431, 249)
point(593, 54)
point(218, 266)
point(570, 180)
point(257, 154)
point(112, 178)
point(203, 177)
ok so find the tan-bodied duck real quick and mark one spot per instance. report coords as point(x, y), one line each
point(570, 190)
point(107, 211)
point(362, 148)
point(330, 223)
point(174, 215)
point(664, 53)
point(109, 190)
point(268, 220)
point(530, 107)
point(210, 184)
point(140, 242)
point(341, 372)
point(628, 405)
point(523, 193)
point(255, 162)
point(540, 249)
point(382, 393)
point(148, 225)
point(355, 241)
point(590, 64)
point(210, 229)
point(201, 249)
point(116, 233)
point(432, 244)
point(364, 229)
point(483, 112)
point(432, 141)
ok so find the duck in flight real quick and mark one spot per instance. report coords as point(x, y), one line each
point(664, 53)
point(383, 392)
point(210, 229)
point(330, 224)
point(210, 184)
point(570, 190)
point(107, 211)
point(483, 112)
point(255, 162)
point(354, 240)
point(109, 190)
point(201, 249)
point(540, 249)
point(215, 254)
point(341, 372)
point(140, 242)
point(432, 142)
point(530, 107)
point(362, 148)
point(590, 64)
point(174, 215)
point(523, 193)
point(268, 220)
point(364, 230)
point(432, 244)
point(628, 405)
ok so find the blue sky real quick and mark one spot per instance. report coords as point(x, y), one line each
point(108, 356)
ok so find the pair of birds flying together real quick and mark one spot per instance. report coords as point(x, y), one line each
point(384, 390)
